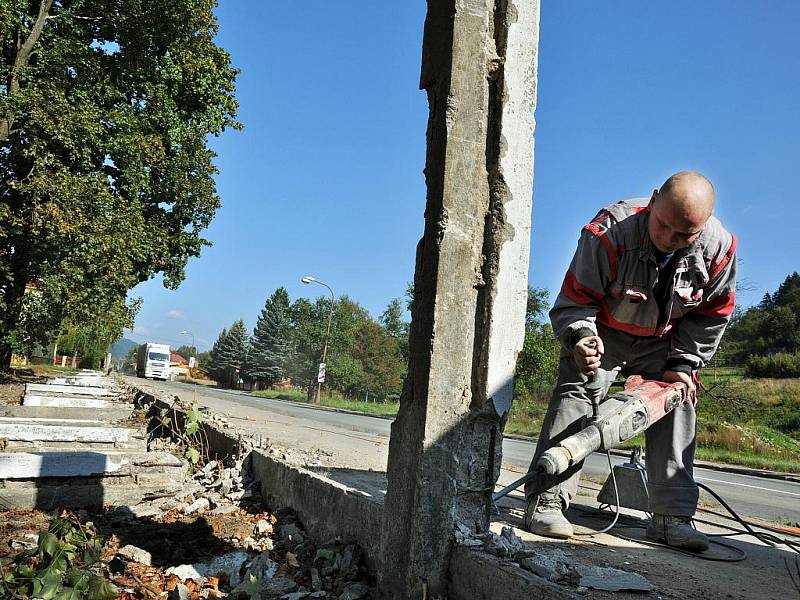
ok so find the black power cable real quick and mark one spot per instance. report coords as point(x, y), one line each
point(767, 538)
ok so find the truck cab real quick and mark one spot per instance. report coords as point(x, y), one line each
point(152, 361)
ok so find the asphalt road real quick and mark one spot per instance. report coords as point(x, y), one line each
point(764, 498)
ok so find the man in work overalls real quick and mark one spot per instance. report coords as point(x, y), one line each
point(649, 291)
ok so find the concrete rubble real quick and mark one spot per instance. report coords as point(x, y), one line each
point(554, 565)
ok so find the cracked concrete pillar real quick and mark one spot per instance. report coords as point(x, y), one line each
point(470, 285)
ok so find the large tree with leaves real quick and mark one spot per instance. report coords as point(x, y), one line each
point(271, 344)
point(106, 178)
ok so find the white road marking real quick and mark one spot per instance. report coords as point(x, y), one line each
point(755, 487)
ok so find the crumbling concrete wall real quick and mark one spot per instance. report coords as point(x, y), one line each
point(470, 284)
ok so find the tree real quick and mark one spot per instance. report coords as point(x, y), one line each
point(186, 352)
point(233, 351)
point(393, 324)
point(107, 178)
point(537, 362)
point(270, 346)
point(381, 360)
point(770, 327)
point(307, 329)
point(215, 366)
point(92, 339)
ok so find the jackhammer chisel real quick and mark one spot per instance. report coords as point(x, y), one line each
point(641, 403)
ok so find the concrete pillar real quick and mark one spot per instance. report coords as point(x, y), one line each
point(479, 71)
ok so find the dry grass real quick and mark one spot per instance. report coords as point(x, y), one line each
point(772, 391)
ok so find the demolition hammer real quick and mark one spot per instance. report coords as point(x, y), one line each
point(640, 404)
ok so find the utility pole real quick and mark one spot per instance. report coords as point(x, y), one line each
point(322, 365)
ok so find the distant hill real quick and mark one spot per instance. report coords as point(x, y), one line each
point(120, 348)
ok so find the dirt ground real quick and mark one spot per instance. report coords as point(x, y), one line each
point(12, 384)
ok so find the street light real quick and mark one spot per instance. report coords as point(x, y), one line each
point(194, 349)
point(320, 375)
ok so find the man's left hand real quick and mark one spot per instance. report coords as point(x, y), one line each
point(685, 378)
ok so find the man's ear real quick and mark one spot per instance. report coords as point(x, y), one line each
point(653, 199)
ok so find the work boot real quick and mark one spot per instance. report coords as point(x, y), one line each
point(543, 516)
point(678, 532)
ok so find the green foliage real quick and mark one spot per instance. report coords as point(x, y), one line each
point(393, 324)
point(780, 365)
point(67, 565)
point(191, 436)
point(270, 345)
point(230, 350)
point(92, 339)
point(772, 326)
point(186, 352)
point(361, 354)
point(537, 363)
point(105, 112)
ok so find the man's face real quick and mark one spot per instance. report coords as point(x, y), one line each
point(673, 225)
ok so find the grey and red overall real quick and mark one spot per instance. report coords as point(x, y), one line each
point(615, 288)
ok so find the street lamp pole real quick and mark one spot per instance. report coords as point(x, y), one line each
point(194, 348)
point(309, 279)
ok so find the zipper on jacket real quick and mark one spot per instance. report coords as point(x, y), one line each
point(671, 302)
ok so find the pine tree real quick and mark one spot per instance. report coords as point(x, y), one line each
point(235, 348)
point(215, 367)
point(271, 340)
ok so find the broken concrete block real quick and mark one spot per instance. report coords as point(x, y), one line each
point(552, 566)
point(354, 591)
point(262, 566)
point(181, 592)
point(611, 580)
point(263, 527)
point(184, 572)
point(228, 564)
point(198, 505)
point(137, 555)
point(292, 533)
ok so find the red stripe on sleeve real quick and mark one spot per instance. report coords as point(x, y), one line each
point(579, 293)
point(716, 267)
point(605, 317)
point(611, 252)
point(721, 306)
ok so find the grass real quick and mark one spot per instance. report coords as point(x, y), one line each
point(48, 369)
point(379, 409)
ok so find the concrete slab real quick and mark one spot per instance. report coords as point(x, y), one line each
point(72, 401)
point(82, 381)
point(48, 421)
point(108, 415)
point(30, 465)
point(82, 492)
point(49, 432)
point(54, 389)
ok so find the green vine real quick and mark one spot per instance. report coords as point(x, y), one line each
point(191, 437)
point(67, 565)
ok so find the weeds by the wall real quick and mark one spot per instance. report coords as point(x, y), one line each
point(66, 565)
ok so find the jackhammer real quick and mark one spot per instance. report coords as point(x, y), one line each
point(641, 403)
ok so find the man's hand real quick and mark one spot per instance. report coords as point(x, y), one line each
point(678, 377)
point(587, 354)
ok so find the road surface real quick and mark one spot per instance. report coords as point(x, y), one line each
point(366, 439)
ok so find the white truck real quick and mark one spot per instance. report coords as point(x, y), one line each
point(152, 361)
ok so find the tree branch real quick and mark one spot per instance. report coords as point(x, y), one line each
point(23, 56)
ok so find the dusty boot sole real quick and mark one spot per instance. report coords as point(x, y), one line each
point(655, 534)
point(556, 531)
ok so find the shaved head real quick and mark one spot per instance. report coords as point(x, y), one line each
point(689, 190)
point(679, 210)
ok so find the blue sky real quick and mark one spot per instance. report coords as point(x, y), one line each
point(326, 178)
